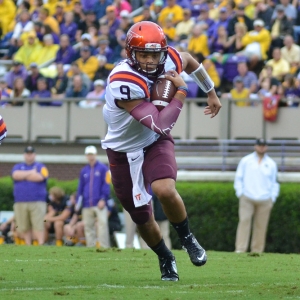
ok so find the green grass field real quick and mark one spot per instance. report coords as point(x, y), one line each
point(50, 272)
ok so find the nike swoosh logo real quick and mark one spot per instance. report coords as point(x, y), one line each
point(201, 258)
point(133, 159)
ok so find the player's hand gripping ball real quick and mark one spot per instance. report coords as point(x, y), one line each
point(163, 91)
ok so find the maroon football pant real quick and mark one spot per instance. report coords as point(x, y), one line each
point(159, 163)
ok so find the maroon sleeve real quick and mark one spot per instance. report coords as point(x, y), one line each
point(161, 122)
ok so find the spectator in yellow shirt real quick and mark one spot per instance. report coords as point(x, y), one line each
point(45, 18)
point(30, 51)
point(48, 51)
point(51, 6)
point(145, 16)
point(173, 11)
point(169, 30)
point(291, 53)
point(7, 15)
point(184, 28)
point(87, 63)
point(156, 8)
point(257, 41)
point(239, 92)
point(280, 66)
point(198, 42)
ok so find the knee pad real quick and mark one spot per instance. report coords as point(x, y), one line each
point(141, 216)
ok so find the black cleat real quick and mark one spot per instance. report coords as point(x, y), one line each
point(168, 268)
point(195, 251)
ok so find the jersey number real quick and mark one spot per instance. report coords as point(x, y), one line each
point(124, 90)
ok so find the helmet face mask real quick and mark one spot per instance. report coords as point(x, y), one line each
point(146, 37)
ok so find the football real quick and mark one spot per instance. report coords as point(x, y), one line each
point(162, 92)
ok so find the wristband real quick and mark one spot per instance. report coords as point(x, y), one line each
point(203, 80)
point(181, 92)
point(184, 88)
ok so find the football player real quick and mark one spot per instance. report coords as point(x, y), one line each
point(3, 129)
point(138, 143)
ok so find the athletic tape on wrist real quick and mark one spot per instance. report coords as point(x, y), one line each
point(202, 79)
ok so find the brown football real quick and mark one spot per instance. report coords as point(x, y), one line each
point(163, 92)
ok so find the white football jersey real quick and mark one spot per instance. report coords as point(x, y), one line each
point(125, 134)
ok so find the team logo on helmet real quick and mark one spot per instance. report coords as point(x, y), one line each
point(152, 46)
point(131, 35)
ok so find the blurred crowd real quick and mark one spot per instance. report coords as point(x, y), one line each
point(63, 224)
point(249, 47)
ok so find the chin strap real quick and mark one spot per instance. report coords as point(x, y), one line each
point(202, 79)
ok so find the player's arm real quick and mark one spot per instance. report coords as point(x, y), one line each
point(146, 113)
point(203, 80)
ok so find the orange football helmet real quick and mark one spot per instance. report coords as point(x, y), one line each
point(146, 37)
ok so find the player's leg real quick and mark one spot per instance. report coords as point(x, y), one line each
point(160, 170)
point(130, 229)
point(59, 230)
point(165, 230)
point(141, 215)
point(150, 232)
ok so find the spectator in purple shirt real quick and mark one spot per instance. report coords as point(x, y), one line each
point(220, 43)
point(35, 14)
point(291, 91)
point(88, 4)
point(43, 92)
point(223, 21)
point(250, 79)
point(92, 195)
point(111, 19)
point(205, 21)
point(100, 8)
point(5, 92)
point(78, 12)
point(31, 80)
point(59, 12)
point(184, 3)
point(60, 82)
point(66, 53)
point(46, 29)
point(18, 70)
point(69, 27)
point(30, 183)
point(104, 48)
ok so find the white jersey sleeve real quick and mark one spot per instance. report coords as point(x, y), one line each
point(128, 85)
point(174, 61)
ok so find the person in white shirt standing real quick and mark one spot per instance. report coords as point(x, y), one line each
point(256, 187)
